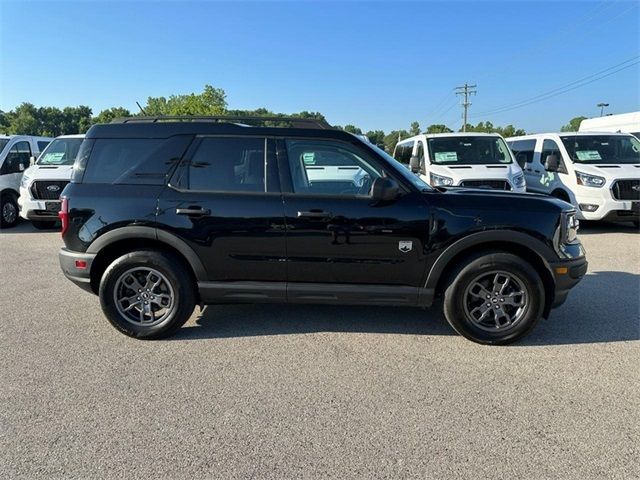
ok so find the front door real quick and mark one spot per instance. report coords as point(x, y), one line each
point(339, 239)
point(224, 202)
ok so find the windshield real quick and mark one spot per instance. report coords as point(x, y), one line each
point(3, 143)
point(402, 169)
point(602, 148)
point(471, 150)
point(62, 151)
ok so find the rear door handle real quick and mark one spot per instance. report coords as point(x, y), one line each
point(193, 211)
point(314, 214)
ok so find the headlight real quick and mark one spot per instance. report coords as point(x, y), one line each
point(518, 181)
point(25, 181)
point(571, 226)
point(589, 180)
point(440, 181)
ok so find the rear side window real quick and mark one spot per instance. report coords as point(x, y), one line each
point(131, 160)
point(403, 152)
point(523, 151)
point(232, 164)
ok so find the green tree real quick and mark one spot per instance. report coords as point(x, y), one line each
point(109, 114)
point(394, 137)
point(438, 128)
point(414, 129)
point(212, 101)
point(352, 129)
point(376, 137)
point(573, 125)
point(23, 120)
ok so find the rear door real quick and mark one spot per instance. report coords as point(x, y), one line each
point(341, 244)
point(524, 153)
point(224, 201)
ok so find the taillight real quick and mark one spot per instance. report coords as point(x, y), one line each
point(64, 214)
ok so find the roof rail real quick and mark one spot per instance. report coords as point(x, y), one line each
point(295, 122)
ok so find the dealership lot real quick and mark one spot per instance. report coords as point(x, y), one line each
point(305, 391)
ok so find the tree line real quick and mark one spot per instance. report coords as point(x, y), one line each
point(27, 119)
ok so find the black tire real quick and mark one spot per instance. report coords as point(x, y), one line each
point(43, 224)
point(460, 299)
point(179, 285)
point(9, 216)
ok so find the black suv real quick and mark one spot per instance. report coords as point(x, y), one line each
point(163, 214)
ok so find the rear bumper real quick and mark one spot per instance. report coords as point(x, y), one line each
point(69, 265)
point(567, 274)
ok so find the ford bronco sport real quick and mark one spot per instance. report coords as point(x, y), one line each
point(165, 213)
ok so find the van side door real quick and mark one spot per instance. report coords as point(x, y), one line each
point(524, 153)
point(551, 180)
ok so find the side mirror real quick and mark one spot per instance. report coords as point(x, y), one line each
point(414, 164)
point(551, 163)
point(521, 159)
point(21, 167)
point(32, 160)
point(385, 189)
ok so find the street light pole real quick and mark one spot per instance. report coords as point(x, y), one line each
point(602, 105)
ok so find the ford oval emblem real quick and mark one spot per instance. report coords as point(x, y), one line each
point(53, 188)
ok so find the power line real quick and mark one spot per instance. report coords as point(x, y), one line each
point(564, 88)
point(466, 90)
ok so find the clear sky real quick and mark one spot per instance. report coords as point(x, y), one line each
point(378, 65)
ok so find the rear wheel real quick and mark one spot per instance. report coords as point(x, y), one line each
point(43, 224)
point(495, 298)
point(8, 210)
point(147, 294)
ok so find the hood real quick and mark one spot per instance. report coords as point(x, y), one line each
point(480, 172)
point(49, 172)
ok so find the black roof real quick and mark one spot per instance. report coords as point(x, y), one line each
point(164, 127)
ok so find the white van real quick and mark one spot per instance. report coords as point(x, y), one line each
point(17, 153)
point(624, 122)
point(43, 182)
point(599, 173)
point(475, 160)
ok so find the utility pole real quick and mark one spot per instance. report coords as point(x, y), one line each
point(602, 105)
point(467, 91)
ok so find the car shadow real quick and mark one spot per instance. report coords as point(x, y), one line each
point(24, 226)
point(590, 227)
point(604, 307)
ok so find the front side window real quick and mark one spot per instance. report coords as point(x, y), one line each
point(62, 151)
point(549, 147)
point(468, 150)
point(232, 164)
point(523, 151)
point(18, 159)
point(403, 152)
point(330, 168)
point(614, 149)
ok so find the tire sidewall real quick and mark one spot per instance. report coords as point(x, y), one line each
point(455, 298)
point(8, 198)
point(175, 273)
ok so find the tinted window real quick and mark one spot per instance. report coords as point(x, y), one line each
point(18, 159)
point(471, 150)
point(523, 151)
point(62, 151)
point(42, 144)
point(403, 152)
point(228, 165)
point(111, 160)
point(329, 168)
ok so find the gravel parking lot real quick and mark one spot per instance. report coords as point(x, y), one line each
point(307, 391)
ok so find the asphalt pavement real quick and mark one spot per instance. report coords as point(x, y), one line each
point(268, 391)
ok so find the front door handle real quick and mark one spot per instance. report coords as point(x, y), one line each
point(193, 211)
point(314, 214)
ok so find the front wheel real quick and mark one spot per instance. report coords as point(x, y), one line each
point(8, 211)
point(496, 299)
point(147, 294)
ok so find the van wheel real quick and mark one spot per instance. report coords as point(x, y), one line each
point(147, 294)
point(495, 298)
point(8, 210)
point(43, 224)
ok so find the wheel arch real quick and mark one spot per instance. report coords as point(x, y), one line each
point(517, 243)
point(120, 241)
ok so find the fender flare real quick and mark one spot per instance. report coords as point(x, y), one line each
point(151, 233)
point(542, 251)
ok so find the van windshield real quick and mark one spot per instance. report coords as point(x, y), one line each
point(62, 151)
point(602, 148)
point(471, 150)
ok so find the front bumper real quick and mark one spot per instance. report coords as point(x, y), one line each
point(609, 208)
point(32, 209)
point(69, 265)
point(567, 274)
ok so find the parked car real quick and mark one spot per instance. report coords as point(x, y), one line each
point(17, 152)
point(623, 122)
point(598, 173)
point(43, 182)
point(473, 160)
point(163, 215)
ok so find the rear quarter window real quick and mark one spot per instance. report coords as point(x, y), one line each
point(139, 161)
